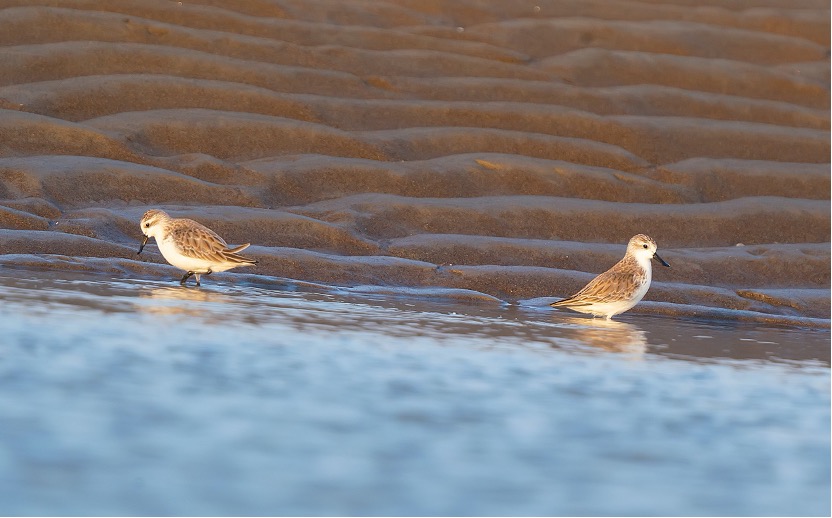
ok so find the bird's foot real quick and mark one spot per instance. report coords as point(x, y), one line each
point(187, 276)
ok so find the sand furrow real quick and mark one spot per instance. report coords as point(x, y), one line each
point(722, 179)
point(31, 25)
point(29, 134)
point(308, 178)
point(641, 99)
point(543, 38)
point(509, 104)
point(598, 67)
point(304, 179)
point(745, 220)
point(52, 61)
point(246, 136)
point(637, 134)
point(88, 97)
point(424, 143)
point(58, 243)
point(294, 31)
point(18, 219)
point(230, 135)
point(80, 181)
point(807, 20)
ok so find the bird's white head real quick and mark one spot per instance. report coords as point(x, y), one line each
point(643, 248)
point(152, 224)
point(151, 220)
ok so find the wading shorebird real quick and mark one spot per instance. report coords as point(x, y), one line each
point(622, 286)
point(190, 246)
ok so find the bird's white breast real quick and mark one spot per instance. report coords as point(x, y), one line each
point(174, 256)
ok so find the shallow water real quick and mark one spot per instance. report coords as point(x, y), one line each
point(141, 397)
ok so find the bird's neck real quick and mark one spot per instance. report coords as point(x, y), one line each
point(646, 263)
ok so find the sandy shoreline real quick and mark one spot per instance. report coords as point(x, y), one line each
point(510, 149)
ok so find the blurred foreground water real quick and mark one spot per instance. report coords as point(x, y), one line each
point(141, 397)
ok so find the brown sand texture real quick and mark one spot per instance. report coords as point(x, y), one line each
point(507, 148)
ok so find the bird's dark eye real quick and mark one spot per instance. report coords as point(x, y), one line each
point(147, 225)
point(645, 246)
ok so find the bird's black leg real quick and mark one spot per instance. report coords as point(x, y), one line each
point(185, 278)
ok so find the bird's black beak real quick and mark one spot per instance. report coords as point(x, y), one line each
point(655, 256)
point(144, 242)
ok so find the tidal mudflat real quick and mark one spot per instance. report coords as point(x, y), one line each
point(142, 397)
point(366, 143)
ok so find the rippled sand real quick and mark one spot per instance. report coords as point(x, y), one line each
point(509, 148)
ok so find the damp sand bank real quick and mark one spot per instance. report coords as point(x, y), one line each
point(510, 149)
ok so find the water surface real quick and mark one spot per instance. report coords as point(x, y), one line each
point(141, 397)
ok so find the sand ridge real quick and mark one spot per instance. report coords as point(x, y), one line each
point(503, 148)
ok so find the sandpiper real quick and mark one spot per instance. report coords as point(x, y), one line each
point(190, 246)
point(622, 286)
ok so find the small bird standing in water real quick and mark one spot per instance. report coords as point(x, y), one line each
point(622, 286)
point(190, 246)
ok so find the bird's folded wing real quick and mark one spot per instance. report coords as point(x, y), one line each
point(200, 242)
point(610, 286)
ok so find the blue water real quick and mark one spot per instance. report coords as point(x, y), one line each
point(124, 397)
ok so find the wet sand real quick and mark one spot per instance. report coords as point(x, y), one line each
point(506, 148)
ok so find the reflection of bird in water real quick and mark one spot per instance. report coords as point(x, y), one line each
point(166, 301)
point(180, 294)
point(608, 335)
